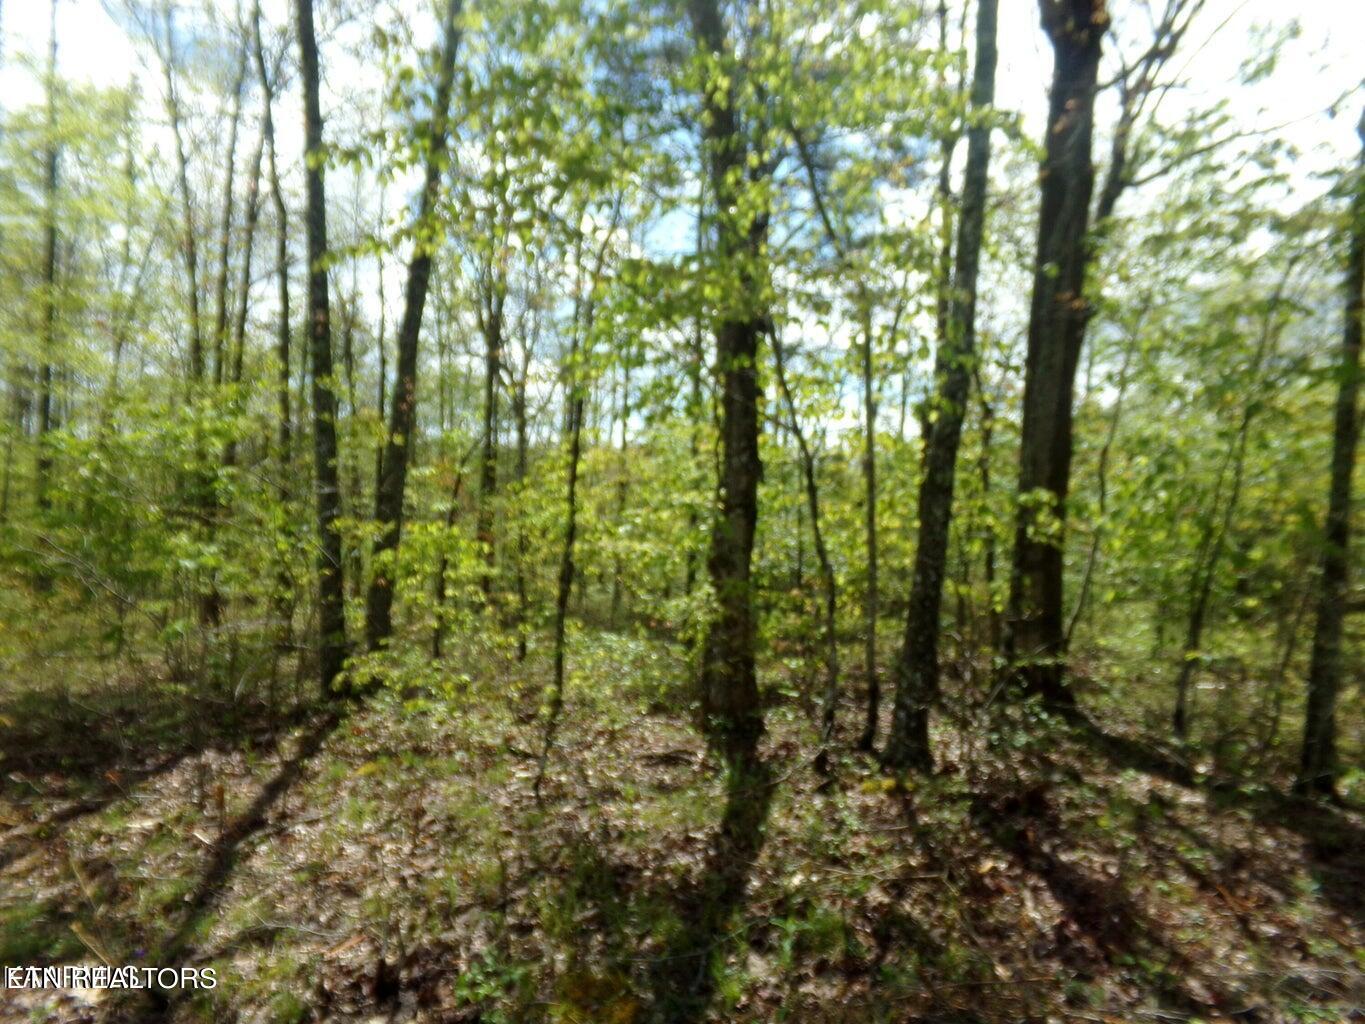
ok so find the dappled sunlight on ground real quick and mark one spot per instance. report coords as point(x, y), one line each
point(392, 864)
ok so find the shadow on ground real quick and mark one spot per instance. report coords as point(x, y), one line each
point(221, 859)
point(77, 755)
point(1334, 844)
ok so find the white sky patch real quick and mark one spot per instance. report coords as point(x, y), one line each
point(1317, 68)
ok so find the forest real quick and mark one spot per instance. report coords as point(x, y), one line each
point(666, 511)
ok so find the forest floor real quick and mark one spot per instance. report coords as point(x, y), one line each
point(391, 864)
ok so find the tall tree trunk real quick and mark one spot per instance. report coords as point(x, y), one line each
point(1214, 539)
point(381, 343)
point(281, 252)
point(220, 290)
point(523, 445)
point(1034, 644)
point(388, 503)
point(1318, 768)
point(284, 587)
point(983, 469)
point(1102, 493)
point(492, 324)
point(189, 244)
point(237, 351)
point(871, 597)
point(731, 714)
point(574, 371)
point(917, 668)
point(201, 486)
point(695, 405)
point(46, 423)
point(622, 490)
point(829, 703)
point(331, 574)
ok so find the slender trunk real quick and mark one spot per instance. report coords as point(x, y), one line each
point(943, 277)
point(488, 465)
point(353, 492)
point(731, 713)
point(830, 701)
point(695, 367)
point(46, 424)
point(381, 343)
point(1214, 540)
point(622, 492)
point(564, 589)
point(128, 294)
point(201, 497)
point(579, 347)
point(16, 426)
point(917, 667)
point(871, 595)
point(388, 509)
point(284, 587)
point(1057, 318)
point(189, 245)
point(983, 468)
point(438, 630)
point(1318, 767)
point(1290, 640)
point(220, 315)
point(237, 352)
point(1102, 492)
point(282, 353)
point(331, 574)
point(523, 444)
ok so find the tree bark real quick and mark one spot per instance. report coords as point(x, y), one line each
point(220, 315)
point(519, 412)
point(282, 353)
point(46, 419)
point(731, 714)
point(574, 365)
point(1318, 767)
point(988, 539)
point(1102, 492)
point(189, 245)
point(388, 507)
point(622, 490)
point(1034, 642)
point(284, 601)
point(51, 158)
point(829, 703)
point(917, 668)
point(237, 351)
point(1214, 539)
point(327, 490)
point(871, 596)
point(491, 322)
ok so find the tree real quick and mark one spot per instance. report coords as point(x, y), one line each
point(830, 698)
point(1223, 509)
point(731, 713)
point(1318, 767)
point(46, 420)
point(388, 510)
point(326, 485)
point(576, 360)
point(1056, 330)
point(917, 664)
